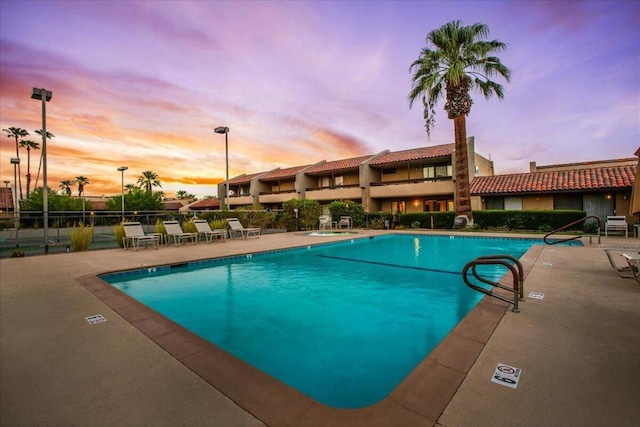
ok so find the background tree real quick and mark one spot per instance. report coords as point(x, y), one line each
point(49, 136)
point(17, 133)
point(29, 145)
point(136, 200)
point(66, 186)
point(184, 195)
point(81, 181)
point(55, 201)
point(148, 180)
point(455, 61)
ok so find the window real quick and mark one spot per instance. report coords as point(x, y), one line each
point(513, 203)
point(338, 180)
point(389, 171)
point(494, 203)
point(437, 171)
point(324, 181)
point(567, 201)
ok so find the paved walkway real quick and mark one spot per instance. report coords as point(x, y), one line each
point(578, 348)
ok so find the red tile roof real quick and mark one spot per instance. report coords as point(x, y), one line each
point(172, 205)
point(337, 165)
point(208, 203)
point(244, 179)
point(6, 198)
point(414, 154)
point(282, 173)
point(606, 178)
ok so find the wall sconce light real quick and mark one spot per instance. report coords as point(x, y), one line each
point(608, 196)
point(625, 197)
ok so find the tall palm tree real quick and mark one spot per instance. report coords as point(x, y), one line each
point(17, 133)
point(49, 136)
point(456, 60)
point(81, 181)
point(148, 180)
point(29, 145)
point(130, 188)
point(66, 186)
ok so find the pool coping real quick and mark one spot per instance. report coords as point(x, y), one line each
point(418, 400)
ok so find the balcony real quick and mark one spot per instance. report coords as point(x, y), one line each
point(241, 200)
point(277, 196)
point(338, 192)
point(413, 188)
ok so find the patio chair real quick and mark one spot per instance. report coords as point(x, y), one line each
point(134, 235)
point(235, 227)
point(634, 264)
point(174, 231)
point(616, 223)
point(325, 222)
point(345, 222)
point(613, 252)
point(203, 228)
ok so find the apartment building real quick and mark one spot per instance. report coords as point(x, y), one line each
point(414, 180)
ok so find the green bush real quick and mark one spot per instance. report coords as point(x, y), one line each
point(528, 220)
point(80, 237)
point(341, 208)
point(118, 230)
point(307, 217)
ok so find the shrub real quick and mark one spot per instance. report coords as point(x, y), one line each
point(355, 210)
point(376, 223)
point(18, 253)
point(118, 230)
point(80, 237)
point(218, 224)
point(189, 227)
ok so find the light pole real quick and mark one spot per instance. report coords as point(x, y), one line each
point(16, 203)
point(225, 130)
point(122, 169)
point(45, 96)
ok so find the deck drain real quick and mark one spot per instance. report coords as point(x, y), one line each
point(536, 295)
point(98, 318)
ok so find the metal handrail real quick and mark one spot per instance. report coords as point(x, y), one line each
point(516, 270)
point(570, 225)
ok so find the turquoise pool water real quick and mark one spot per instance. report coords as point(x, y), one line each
point(343, 323)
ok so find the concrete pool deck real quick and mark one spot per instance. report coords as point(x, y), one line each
point(578, 348)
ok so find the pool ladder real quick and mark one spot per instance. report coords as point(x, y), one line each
point(508, 261)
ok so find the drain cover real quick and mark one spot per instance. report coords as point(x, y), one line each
point(98, 318)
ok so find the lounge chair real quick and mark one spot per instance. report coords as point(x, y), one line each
point(345, 222)
point(633, 260)
point(325, 222)
point(616, 223)
point(134, 235)
point(205, 230)
point(613, 253)
point(235, 227)
point(175, 231)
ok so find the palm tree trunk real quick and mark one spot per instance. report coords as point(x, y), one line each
point(462, 196)
point(19, 172)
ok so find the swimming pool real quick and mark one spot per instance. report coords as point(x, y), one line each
point(346, 329)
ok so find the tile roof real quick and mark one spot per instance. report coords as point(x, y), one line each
point(605, 178)
point(336, 165)
point(172, 205)
point(243, 179)
point(414, 154)
point(282, 173)
point(208, 203)
point(6, 198)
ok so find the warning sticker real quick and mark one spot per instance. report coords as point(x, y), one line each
point(98, 318)
point(506, 375)
point(536, 295)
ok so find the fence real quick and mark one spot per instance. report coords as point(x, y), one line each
point(28, 237)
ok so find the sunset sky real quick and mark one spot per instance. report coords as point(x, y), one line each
point(144, 83)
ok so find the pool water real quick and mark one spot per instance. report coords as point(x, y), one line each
point(343, 323)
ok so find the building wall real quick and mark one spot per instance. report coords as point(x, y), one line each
point(537, 202)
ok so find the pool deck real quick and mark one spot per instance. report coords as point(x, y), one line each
point(578, 348)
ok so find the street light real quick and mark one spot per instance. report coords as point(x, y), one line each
point(122, 169)
point(16, 203)
point(45, 96)
point(225, 130)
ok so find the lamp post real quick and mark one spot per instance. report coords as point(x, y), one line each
point(16, 203)
point(225, 130)
point(45, 96)
point(122, 169)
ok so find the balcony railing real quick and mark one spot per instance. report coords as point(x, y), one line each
point(411, 181)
